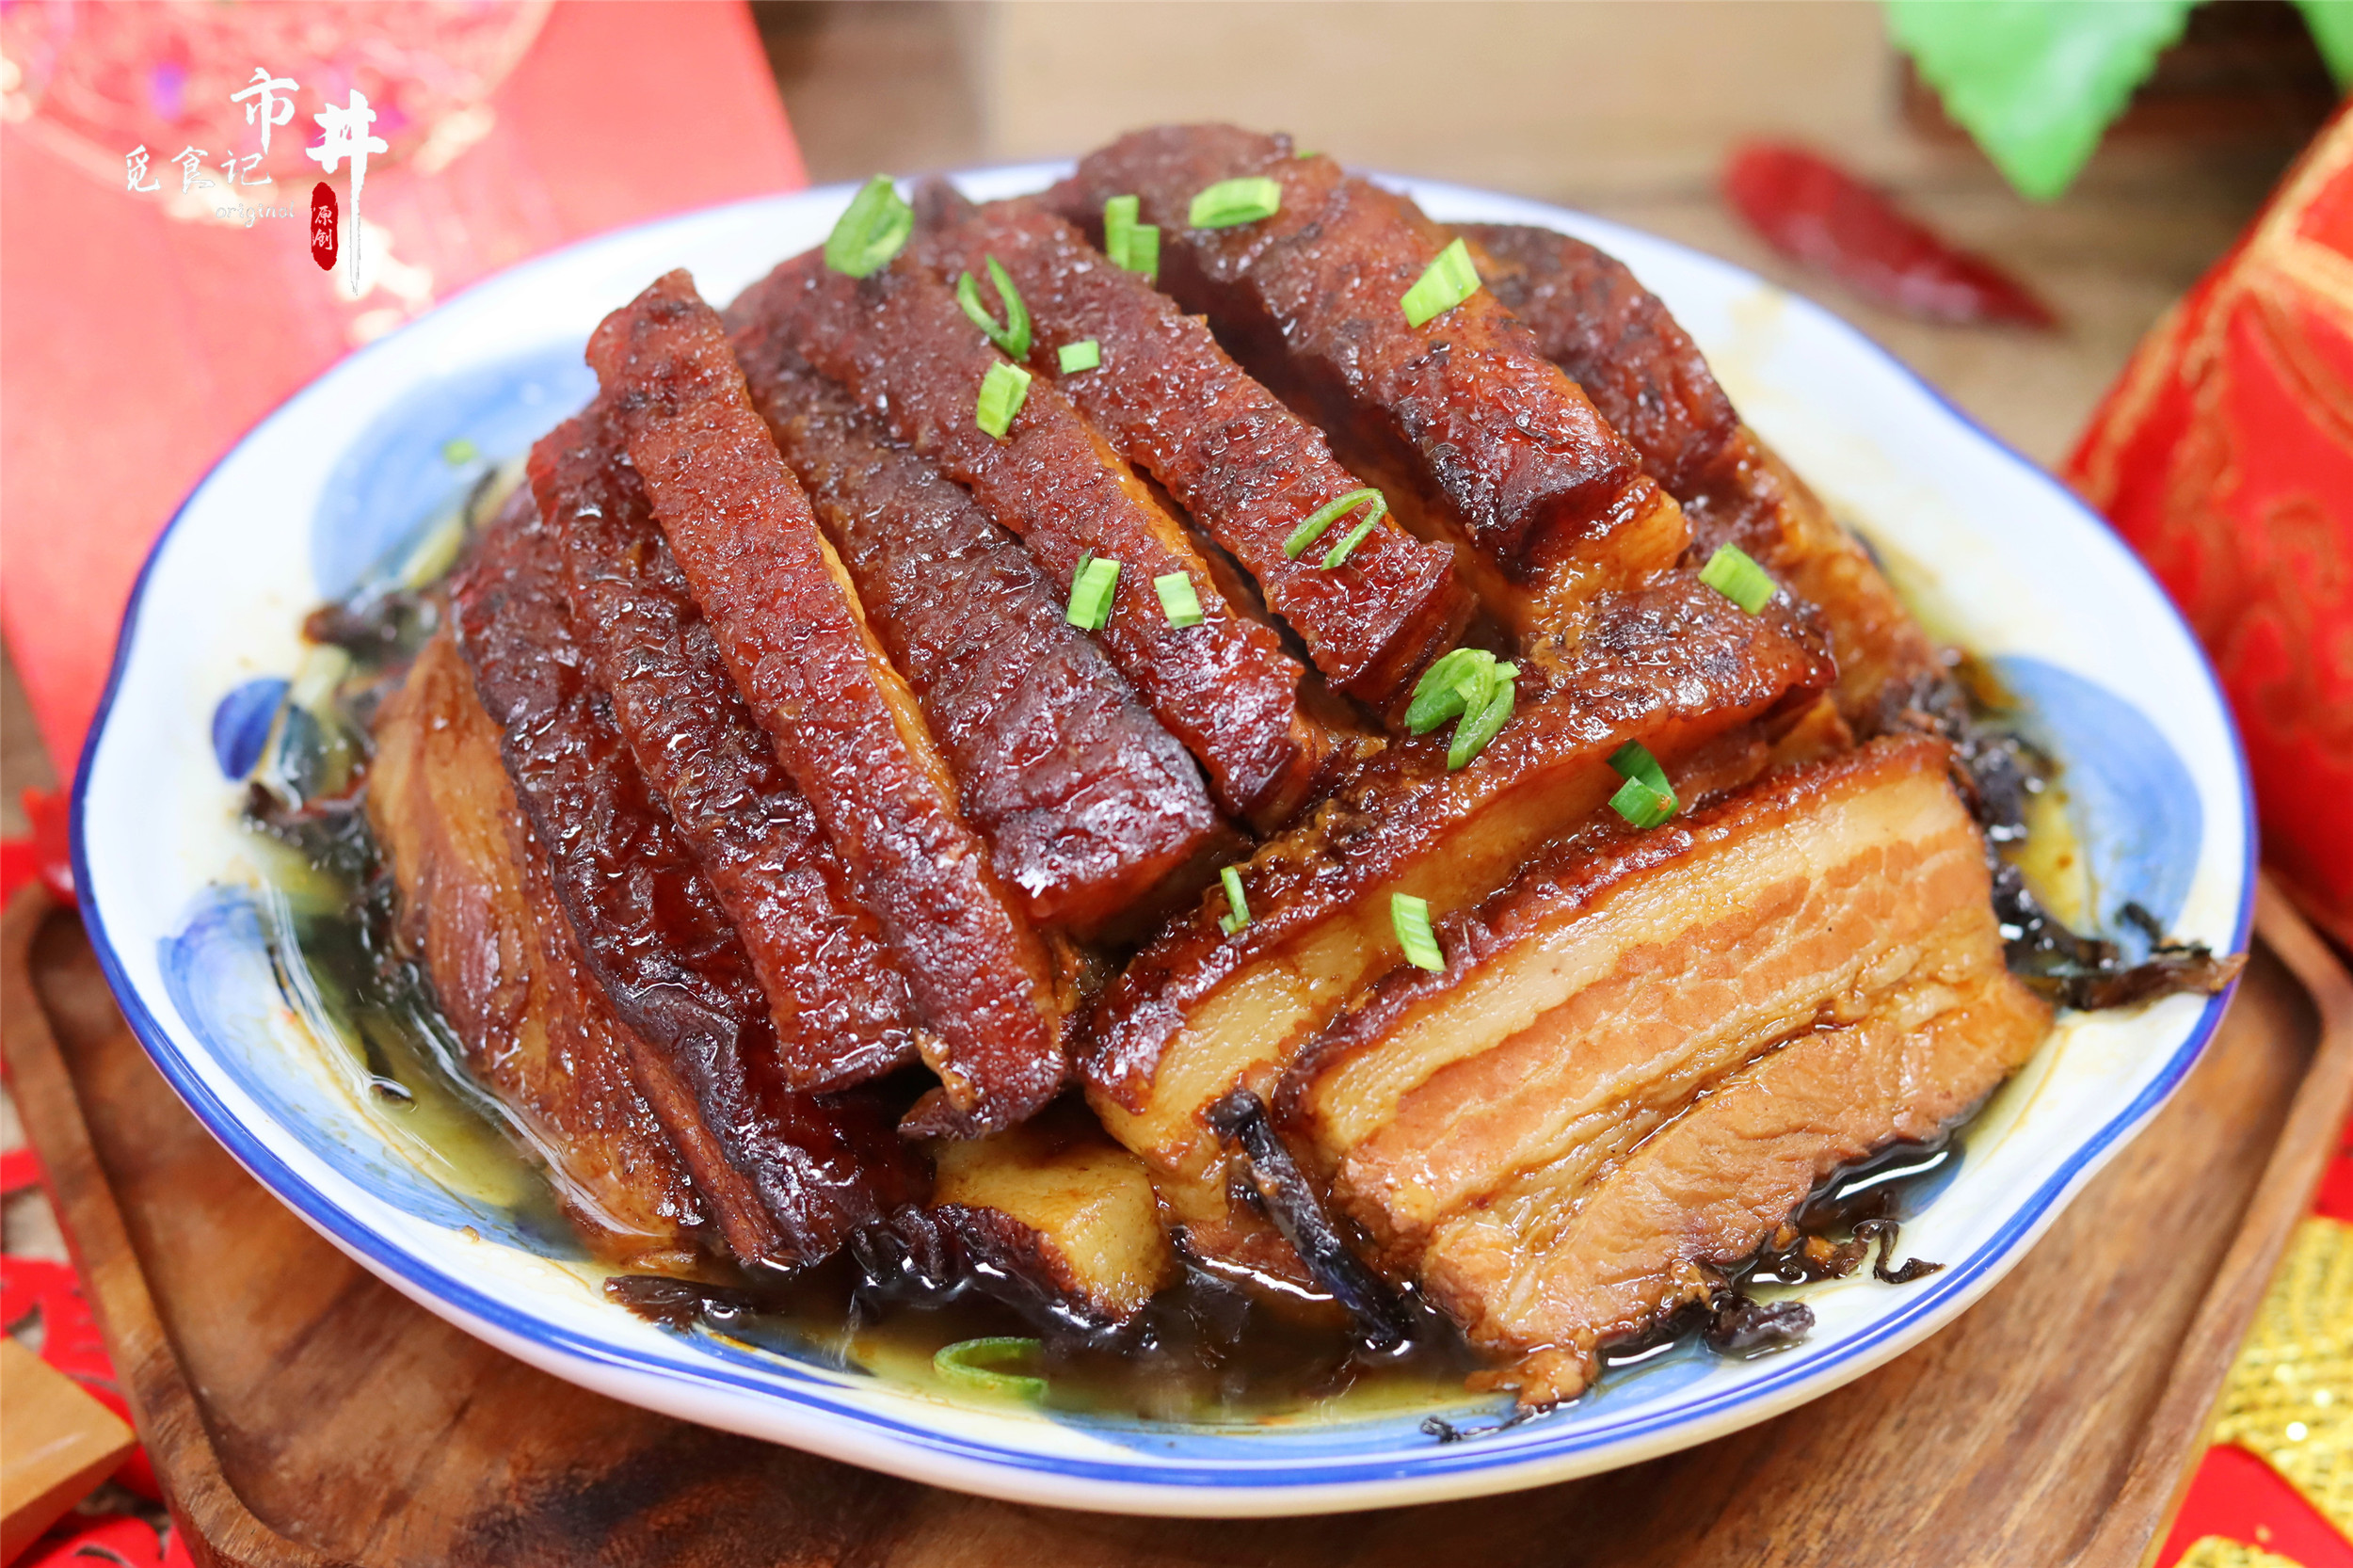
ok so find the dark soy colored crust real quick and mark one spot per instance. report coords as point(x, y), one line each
point(1245, 466)
point(1308, 298)
point(1617, 341)
point(834, 988)
point(792, 635)
point(1090, 807)
point(1676, 662)
point(900, 345)
point(788, 1176)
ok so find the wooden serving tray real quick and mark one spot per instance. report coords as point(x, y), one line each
point(300, 1412)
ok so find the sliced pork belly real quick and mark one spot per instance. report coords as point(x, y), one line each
point(899, 342)
point(835, 989)
point(1200, 1011)
point(477, 905)
point(1247, 469)
point(1681, 1029)
point(788, 1176)
point(1089, 806)
point(1052, 1215)
point(1593, 319)
point(1475, 435)
point(844, 725)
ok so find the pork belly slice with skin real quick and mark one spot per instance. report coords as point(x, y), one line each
point(1811, 965)
point(1246, 468)
point(900, 345)
point(1474, 435)
point(1593, 319)
point(1200, 1011)
point(835, 989)
point(477, 907)
point(1050, 1215)
point(1089, 806)
point(788, 1176)
point(844, 725)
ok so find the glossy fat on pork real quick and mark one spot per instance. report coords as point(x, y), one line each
point(1245, 468)
point(1091, 809)
point(843, 722)
point(1475, 435)
point(477, 906)
point(835, 989)
point(788, 1176)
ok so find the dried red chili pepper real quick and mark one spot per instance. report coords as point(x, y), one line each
point(1811, 210)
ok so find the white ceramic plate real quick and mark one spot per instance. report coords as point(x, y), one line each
point(2000, 554)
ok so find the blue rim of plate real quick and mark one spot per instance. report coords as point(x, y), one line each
point(1111, 1483)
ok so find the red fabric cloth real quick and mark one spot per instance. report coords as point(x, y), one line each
point(2224, 455)
point(139, 347)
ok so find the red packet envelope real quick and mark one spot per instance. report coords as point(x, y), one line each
point(158, 263)
point(2224, 455)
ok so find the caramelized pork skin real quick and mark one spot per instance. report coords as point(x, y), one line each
point(477, 906)
point(1199, 1011)
point(1476, 437)
point(789, 1176)
point(1051, 1214)
point(835, 989)
point(901, 345)
point(844, 725)
point(1090, 807)
point(1245, 468)
point(1594, 320)
point(1614, 1019)
point(1617, 341)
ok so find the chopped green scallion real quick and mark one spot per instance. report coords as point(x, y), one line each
point(1409, 917)
point(974, 1364)
point(1444, 284)
point(1341, 550)
point(875, 229)
point(1231, 203)
point(1084, 355)
point(1485, 719)
point(1013, 336)
point(1090, 589)
point(1178, 602)
point(1236, 908)
point(1003, 390)
point(1734, 573)
point(460, 452)
point(1645, 799)
point(1331, 512)
point(1438, 696)
point(1133, 245)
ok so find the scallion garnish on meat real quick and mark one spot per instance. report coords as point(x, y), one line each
point(1341, 550)
point(874, 230)
point(1013, 336)
point(1091, 588)
point(1231, 203)
point(1236, 908)
point(1734, 573)
point(1446, 687)
point(1645, 799)
point(973, 1364)
point(1409, 918)
point(1444, 284)
point(1133, 245)
point(1331, 512)
point(1084, 355)
point(1482, 720)
point(1178, 602)
point(1003, 390)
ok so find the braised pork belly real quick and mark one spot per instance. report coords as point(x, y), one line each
point(1606, 1035)
point(1468, 924)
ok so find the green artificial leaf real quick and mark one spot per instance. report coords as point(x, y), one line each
point(2331, 21)
point(2036, 81)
